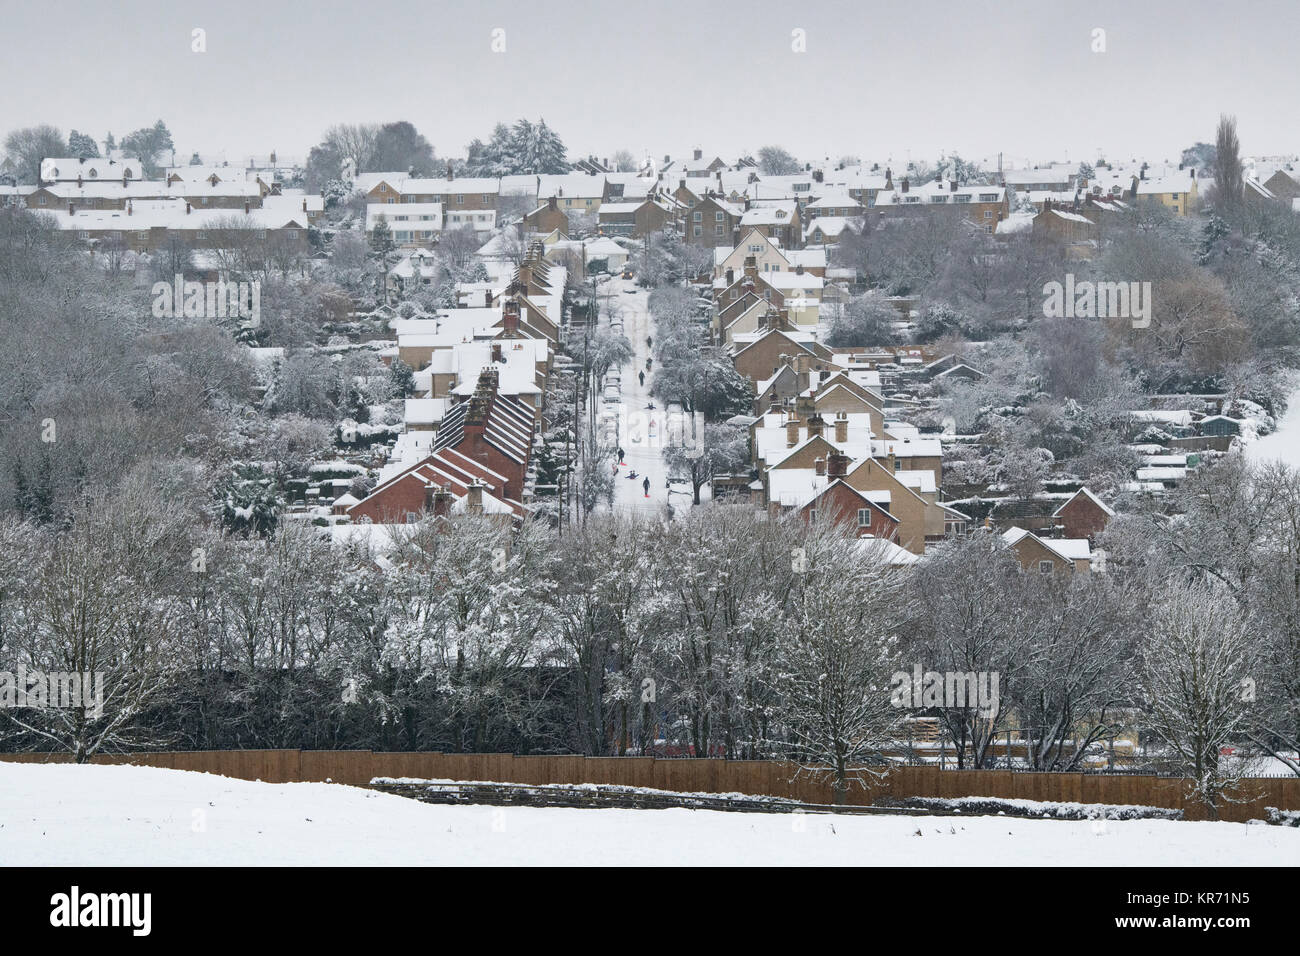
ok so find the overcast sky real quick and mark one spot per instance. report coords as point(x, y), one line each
point(1013, 76)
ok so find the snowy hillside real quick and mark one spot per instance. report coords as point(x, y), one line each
point(62, 815)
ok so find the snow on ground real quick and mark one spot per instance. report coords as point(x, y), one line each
point(53, 814)
point(1284, 443)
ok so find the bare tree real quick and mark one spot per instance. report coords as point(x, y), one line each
point(1229, 185)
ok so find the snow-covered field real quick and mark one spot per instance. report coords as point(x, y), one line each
point(1284, 443)
point(99, 815)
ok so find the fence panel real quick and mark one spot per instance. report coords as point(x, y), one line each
point(759, 777)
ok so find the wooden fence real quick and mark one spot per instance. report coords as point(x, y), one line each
point(759, 777)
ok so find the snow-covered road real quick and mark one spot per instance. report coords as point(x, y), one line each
point(643, 428)
point(59, 815)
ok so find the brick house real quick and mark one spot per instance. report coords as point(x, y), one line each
point(1048, 555)
point(841, 503)
point(710, 221)
point(547, 218)
point(486, 440)
point(1083, 516)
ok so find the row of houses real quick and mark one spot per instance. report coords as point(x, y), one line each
point(479, 385)
point(108, 204)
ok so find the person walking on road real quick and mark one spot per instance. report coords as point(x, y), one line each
point(646, 485)
point(641, 375)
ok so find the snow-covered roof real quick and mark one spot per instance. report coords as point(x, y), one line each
point(1091, 497)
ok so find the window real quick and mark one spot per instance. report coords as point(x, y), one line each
point(898, 464)
point(864, 517)
point(1045, 567)
point(698, 217)
point(383, 187)
point(717, 216)
point(717, 230)
point(698, 231)
point(988, 197)
point(200, 235)
point(292, 233)
point(460, 200)
point(961, 197)
point(487, 198)
point(988, 213)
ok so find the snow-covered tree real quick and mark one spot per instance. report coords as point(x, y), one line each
point(834, 652)
point(1196, 665)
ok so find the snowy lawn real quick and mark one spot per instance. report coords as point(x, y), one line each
point(93, 815)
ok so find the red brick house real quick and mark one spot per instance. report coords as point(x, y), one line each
point(844, 504)
point(1083, 516)
point(484, 442)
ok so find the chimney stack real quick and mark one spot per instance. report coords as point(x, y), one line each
point(441, 498)
point(905, 184)
point(816, 425)
point(510, 317)
point(187, 209)
point(474, 498)
point(792, 430)
point(842, 427)
point(837, 465)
